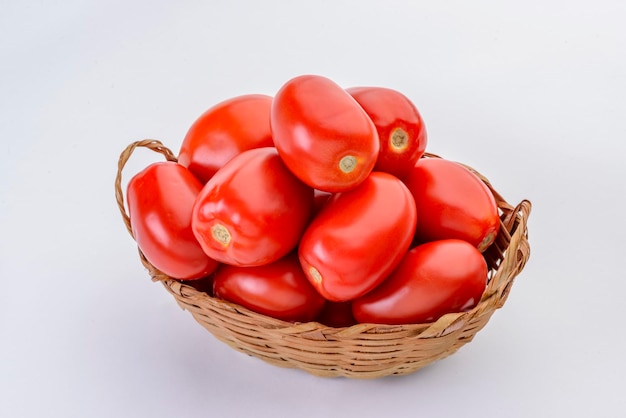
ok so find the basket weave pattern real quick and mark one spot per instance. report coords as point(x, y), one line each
point(362, 350)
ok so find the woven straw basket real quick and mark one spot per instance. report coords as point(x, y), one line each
point(362, 350)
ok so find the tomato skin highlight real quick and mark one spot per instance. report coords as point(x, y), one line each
point(433, 279)
point(452, 202)
point(160, 202)
point(400, 128)
point(225, 130)
point(358, 237)
point(323, 135)
point(253, 211)
point(278, 289)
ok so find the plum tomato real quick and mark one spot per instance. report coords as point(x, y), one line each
point(400, 128)
point(253, 211)
point(278, 289)
point(160, 203)
point(358, 237)
point(452, 202)
point(225, 130)
point(323, 135)
point(433, 279)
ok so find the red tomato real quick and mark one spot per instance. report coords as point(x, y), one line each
point(358, 237)
point(252, 211)
point(400, 127)
point(336, 315)
point(160, 202)
point(452, 202)
point(278, 289)
point(433, 279)
point(323, 135)
point(225, 130)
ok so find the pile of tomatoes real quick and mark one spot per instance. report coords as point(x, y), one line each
point(318, 204)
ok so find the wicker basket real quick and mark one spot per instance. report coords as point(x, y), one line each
point(362, 350)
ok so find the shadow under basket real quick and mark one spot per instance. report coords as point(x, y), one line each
point(362, 350)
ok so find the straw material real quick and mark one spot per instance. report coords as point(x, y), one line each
point(362, 350)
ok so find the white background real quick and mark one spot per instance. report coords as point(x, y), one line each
point(532, 94)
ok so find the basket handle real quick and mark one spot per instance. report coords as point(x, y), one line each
point(152, 144)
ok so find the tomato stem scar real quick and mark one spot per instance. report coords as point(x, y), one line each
point(315, 274)
point(398, 139)
point(220, 234)
point(347, 163)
